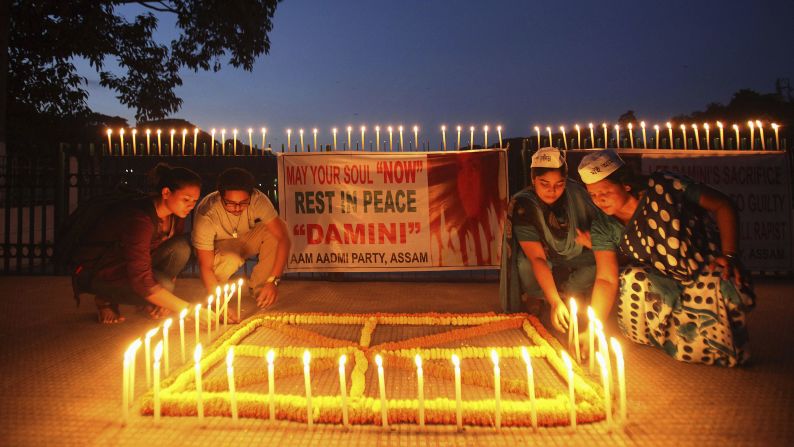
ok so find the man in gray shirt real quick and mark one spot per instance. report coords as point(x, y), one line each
point(237, 222)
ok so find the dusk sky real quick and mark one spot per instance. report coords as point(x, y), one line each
point(515, 63)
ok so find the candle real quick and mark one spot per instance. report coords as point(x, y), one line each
point(497, 389)
point(125, 392)
point(223, 141)
point(196, 317)
point(158, 352)
point(182, 316)
point(230, 377)
point(343, 390)
point(457, 146)
point(271, 385)
point(471, 137)
point(499, 132)
point(147, 350)
point(630, 127)
point(264, 138)
point(391, 140)
point(604, 348)
point(110, 141)
point(761, 133)
point(384, 408)
point(349, 141)
point(171, 144)
point(706, 128)
point(606, 141)
point(738, 141)
point(234, 141)
point(530, 387)
point(564, 138)
point(571, 394)
point(591, 335)
point(195, 141)
point(121, 140)
point(621, 377)
point(333, 131)
point(166, 358)
point(775, 127)
point(683, 132)
point(377, 138)
point(578, 136)
point(697, 136)
point(401, 137)
point(605, 384)
point(363, 140)
point(226, 304)
point(300, 132)
point(212, 142)
point(592, 135)
point(239, 297)
point(199, 401)
point(416, 137)
point(420, 384)
point(251, 139)
point(133, 349)
point(209, 316)
point(458, 402)
point(644, 136)
point(574, 328)
point(617, 136)
point(148, 141)
point(752, 135)
point(485, 130)
point(656, 128)
point(159, 142)
point(537, 131)
point(722, 140)
point(218, 305)
point(289, 140)
point(184, 135)
point(548, 129)
point(670, 133)
point(308, 383)
point(134, 146)
point(444, 138)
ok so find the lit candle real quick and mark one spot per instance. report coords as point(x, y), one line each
point(761, 133)
point(578, 136)
point(110, 141)
point(736, 130)
point(226, 304)
point(420, 384)
point(307, 357)
point(457, 146)
point(234, 141)
point(591, 335)
point(401, 138)
point(497, 389)
point(571, 394)
point(239, 297)
point(752, 134)
point(333, 131)
point(134, 146)
point(300, 133)
point(289, 140)
point(147, 351)
point(166, 358)
point(548, 129)
point(391, 140)
point(271, 385)
point(125, 392)
point(148, 141)
point(631, 135)
point(209, 316)
point(218, 301)
point(184, 136)
point(458, 402)
point(530, 387)
point(606, 141)
point(133, 349)
point(158, 352)
point(697, 136)
point(377, 138)
point(708, 143)
point(592, 135)
point(251, 139)
point(537, 131)
point(264, 138)
point(416, 137)
point(159, 142)
point(471, 137)
point(722, 135)
point(349, 139)
point(195, 141)
point(775, 127)
point(444, 138)
point(683, 132)
point(620, 365)
point(223, 141)
point(604, 348)
point(212, 141)
point(564, 138)
point(384, 407)
point(670, 133)
point(656, 128)
point(199, 401)
point(230, 377)
point(605, 384)
point(617, 136)
point(196, 318)
point(171, 144)
point(121, 139)
point(343, 389)
point(574, 328)
point(499, 132)
point(485, 130)
point(363, 140)
point(644, 136)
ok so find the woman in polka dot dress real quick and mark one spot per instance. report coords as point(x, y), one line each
point(682, 289)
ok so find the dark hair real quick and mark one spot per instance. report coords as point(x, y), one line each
point(236, 179)
point(626, 175)
point(173, 178)
point(536, 172)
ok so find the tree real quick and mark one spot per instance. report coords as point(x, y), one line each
point(627, 118)
point(45, 37)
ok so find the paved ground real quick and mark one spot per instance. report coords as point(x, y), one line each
point(60, 376)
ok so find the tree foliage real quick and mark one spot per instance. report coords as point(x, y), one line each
point(46, 36)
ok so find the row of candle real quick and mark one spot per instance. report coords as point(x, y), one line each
point(161, 351)
point(630, 130)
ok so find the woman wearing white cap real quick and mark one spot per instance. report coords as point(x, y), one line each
point(547, 235)
point(683, 290)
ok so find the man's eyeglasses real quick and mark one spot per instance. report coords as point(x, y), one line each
point(235, 205)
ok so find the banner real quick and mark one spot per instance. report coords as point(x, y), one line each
point(363, 211)
point(760, 186)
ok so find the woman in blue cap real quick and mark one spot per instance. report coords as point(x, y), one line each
point(546, 241)
point(683, 289)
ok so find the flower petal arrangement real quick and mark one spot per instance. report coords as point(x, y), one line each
point(398, 339)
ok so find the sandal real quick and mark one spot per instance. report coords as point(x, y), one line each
point(107, 312)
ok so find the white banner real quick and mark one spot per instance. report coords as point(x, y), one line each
point(363, 211)
point(759, 184)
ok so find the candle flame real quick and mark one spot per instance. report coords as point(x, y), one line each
point(240, 282)
point(590, 125)
point(669, 125)
point(167, 323)
point(250, 130)
point(591, 314)
point(567, 359)
point(134, 346)
point(459, 128)
point(210, 300)
point(750, 124)
point(110, 132)
point(418, 361)
point(148, 131)
point(499, 128)
point(230, 358)
point(184, 131)
point(183, 314)
point(270, 357)
point(656, 126)
point(379, 361)
point(616, 348)
point(642, 124)
point(225, 288)
point(443, 128)
point(173, 131)
point(525, 356)
point(758, 123)
point(719, 124)
point(775, 126)
point(706, 126)
point(307, 357)
point(197, 353)
point(630, 126)
point(456, 360)
point(735, 126)
point(152, 333)
point(572, 302)
point(494, 357)
point(342, 360)
point(158, 351)
point(121, 131)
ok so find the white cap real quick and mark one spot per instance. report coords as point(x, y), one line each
point(597, 166)
point(547, 157)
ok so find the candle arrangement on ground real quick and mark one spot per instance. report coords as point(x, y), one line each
point(452, 369)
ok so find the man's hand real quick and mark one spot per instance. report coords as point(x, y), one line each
point(560, 317)
point(267, 296)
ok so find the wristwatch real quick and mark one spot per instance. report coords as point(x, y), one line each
point(274, 279)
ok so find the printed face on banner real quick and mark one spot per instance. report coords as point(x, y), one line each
point(380, 212)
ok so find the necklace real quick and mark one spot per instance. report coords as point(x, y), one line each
point(236, 226)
